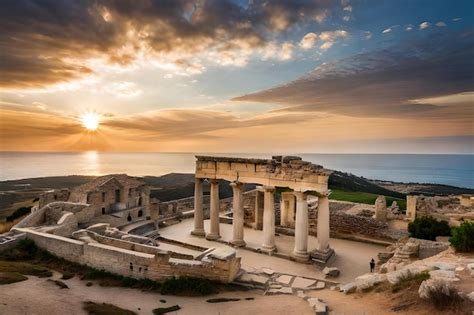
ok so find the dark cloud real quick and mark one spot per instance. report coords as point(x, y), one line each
point(44, 41)
point(385, 82)
point(191, 122)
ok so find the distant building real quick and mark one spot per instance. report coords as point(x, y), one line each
point(123, 198)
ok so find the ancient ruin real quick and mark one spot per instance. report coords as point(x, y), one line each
point(90, 225)
point(299, 178)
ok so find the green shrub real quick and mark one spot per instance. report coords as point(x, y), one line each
point(188, 286)
point(164, 310)
point(18, 213)
point(463, 237)
point(428, 228)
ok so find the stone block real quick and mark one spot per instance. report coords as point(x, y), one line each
point(331, 271)
point(302, 283)
point(285, 279)
point(318, 306)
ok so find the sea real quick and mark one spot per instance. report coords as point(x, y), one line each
point(455, 170)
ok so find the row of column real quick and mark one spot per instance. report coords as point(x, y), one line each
point(300, 251)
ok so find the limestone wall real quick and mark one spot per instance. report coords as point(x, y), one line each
point(52, 196)
point(132, 263)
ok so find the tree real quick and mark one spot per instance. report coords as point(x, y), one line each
point(463, 237)
point(428, 228)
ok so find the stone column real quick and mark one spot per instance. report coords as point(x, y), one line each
point(198, 210)
point(284, 205)
point(214, 233)
point(300, 251)
point(238, 215)
point(323, 223)
point(269, 220)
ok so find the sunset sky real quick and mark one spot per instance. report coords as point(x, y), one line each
point(237, 76)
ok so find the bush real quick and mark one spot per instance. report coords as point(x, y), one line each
point(409, 278)
point(444, 296)
point(463, 237)
point(428, 228)
point(188, 286)
point(18, 213)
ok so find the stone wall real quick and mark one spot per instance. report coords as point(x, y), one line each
point(133, 263)
point(52, 196)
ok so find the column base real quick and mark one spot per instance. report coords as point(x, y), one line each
point(300, 256)
point(322, 256)
point(268, 249)
point(238, 243)
point(212, 236)
point(198, 232)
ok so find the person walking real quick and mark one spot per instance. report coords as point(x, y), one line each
point(372, 265)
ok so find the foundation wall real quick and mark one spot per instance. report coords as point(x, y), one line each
point(131, 263)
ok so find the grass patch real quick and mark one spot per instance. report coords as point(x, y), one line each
point(164, 310)
point(25, 269)
point(408, 279)
point(221, 300)
point(68, 275)
point(188, 286)
point(93, 308)
point(11, 277)
point(363, 197)
point(444, 297)
point(59, 283)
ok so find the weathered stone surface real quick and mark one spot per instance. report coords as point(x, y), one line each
point(285, 279)
point(331, 271)
point(223, 253)
point(268, 271)
point(320, 285)
point(302, 283)
point(431, 285)
point(444, 265)
point(99, 228)
point(348, 288)
point(394, 276)
point(318, 306)
point(252, 279)
point(470, 296)
point(300, 294)
point(283, 290)
point(381, 209)
point(447, 275)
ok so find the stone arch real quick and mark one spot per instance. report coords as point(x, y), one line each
point(129, 218)
point(140, 213)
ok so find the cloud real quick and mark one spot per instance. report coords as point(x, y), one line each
point(456, 19)
point(368, 35)
point(409, 28)
point(346, 18)
point(278, 52)
point(329, 38)
point(384, 82)
point(440, 24)
point(388, 30)
point(348, 8)
point(308, 40)
point(123, 89)
point(424, 25)
point(51, 42)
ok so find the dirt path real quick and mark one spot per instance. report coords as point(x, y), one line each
point(39, 296)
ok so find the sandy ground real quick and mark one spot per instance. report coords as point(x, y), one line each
point(352, 258)
point(39, 296)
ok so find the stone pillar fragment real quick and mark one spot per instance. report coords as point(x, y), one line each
point(323, 223)
point(300, 251)
point(238, 215)
point(381, 209)
point(269, 220)
point(198, 209)
point(214, 216)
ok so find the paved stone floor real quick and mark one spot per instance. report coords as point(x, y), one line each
point(352, 258)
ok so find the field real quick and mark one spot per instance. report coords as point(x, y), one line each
point(363, 197)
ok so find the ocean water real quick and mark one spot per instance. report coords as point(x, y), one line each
point(456, 170)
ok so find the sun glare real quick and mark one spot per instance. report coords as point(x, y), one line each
point(90, 121)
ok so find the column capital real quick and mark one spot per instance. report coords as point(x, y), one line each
point(236, 184)
point(300, 195)
point(268, 188)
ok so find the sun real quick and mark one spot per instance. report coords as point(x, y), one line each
point(90, 121)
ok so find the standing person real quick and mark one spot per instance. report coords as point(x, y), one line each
point(372, 265)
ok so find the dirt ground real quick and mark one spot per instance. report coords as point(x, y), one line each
point(37, 296)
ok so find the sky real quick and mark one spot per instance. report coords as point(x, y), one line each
point(237, 76)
